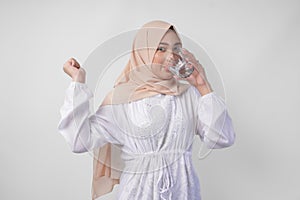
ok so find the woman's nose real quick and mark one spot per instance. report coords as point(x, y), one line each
point(171, 59)
point(172, 54)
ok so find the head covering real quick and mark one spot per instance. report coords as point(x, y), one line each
point(137, 81)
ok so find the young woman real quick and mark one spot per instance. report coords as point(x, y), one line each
point(142, 133)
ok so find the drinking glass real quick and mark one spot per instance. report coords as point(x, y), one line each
point(179, 66)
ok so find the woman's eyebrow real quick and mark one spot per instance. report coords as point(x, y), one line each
point(164, 43)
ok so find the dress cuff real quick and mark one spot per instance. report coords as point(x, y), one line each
point(73, 83)
point(208, 94)
point(77, 88)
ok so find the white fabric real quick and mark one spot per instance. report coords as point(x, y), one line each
point(156, 136)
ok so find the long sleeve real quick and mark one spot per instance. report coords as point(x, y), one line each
point(214, 124)
point(83, 131)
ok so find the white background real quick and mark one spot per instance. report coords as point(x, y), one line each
point(254, 44)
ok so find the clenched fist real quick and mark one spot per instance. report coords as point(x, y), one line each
point(73, 69)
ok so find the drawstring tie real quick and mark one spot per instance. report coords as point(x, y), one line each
point(165, 173)
point(167, 181)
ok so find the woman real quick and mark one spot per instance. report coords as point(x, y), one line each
point(143, 131)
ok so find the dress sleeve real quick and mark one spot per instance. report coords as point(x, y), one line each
point(214, 125)
point(81, 130)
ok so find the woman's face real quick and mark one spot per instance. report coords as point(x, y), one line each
point(168, 45)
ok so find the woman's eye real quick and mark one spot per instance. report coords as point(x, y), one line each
point(161, 49)
point(176, 49)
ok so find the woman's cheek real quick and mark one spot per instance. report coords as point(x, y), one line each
point(158, 58)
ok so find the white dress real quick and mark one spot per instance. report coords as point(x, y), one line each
point(156, 136)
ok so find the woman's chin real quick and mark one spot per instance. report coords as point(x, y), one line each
point(167, 75)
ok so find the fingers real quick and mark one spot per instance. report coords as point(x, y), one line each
point(192, 60)
point(74, 63)
point(196, 67)
point(72, 68)
point(188, 54)
point(190, 57)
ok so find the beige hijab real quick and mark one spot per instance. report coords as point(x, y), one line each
point(137, 81)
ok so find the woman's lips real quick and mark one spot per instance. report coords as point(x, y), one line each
point(169, 63)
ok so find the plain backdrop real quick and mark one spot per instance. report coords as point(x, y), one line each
point(254, 44)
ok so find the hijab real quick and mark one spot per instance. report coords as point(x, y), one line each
point(137, 81)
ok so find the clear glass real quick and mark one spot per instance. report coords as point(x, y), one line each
point(179, 66)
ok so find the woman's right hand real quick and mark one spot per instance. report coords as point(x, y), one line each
point(73, 69)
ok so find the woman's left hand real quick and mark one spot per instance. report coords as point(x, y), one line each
point(198, 77)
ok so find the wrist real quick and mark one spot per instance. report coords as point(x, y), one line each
point(79, 79)
point(204, 89)
point(80, 76)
